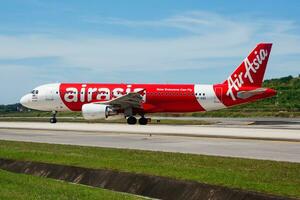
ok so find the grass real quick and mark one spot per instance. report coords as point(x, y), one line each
point(21, 186)
point(244, 113)
point(279, 178)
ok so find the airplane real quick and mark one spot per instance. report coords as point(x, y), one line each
point(100, 101)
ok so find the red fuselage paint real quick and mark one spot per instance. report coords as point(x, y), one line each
point(156, 97)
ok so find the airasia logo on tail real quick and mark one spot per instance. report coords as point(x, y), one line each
point(236, 81)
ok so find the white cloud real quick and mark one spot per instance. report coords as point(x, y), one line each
point(208, 36)
point(208, 40)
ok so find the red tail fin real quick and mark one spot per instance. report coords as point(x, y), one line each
point(252, 70)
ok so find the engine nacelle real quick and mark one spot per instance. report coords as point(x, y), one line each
point(94, 111)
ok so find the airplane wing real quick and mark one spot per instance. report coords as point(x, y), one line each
point(130, 100)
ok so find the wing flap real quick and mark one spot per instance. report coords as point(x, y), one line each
point(130, 100)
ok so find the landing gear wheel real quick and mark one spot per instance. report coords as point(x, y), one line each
point(53, 120)
point(143, 121)
point(131, 120)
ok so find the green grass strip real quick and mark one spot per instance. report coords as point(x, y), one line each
point(21, 186)
point(279, 178)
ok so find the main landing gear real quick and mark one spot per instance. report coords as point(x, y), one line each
point(143, 121)
point(132, 120)
point(53, 119)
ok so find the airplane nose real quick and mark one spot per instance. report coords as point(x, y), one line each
point(25, 100)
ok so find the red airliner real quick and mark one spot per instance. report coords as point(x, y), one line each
point(99, 100)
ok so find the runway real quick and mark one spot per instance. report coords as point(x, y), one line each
point(283, 132)
point(182, 140)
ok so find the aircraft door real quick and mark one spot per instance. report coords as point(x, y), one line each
point(218, 90)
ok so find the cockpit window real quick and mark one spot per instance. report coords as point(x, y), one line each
point(34, 91)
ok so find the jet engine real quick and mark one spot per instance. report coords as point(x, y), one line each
point(94, 111)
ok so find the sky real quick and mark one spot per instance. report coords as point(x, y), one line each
point(139, 41)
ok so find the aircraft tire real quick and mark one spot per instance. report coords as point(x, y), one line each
point(143, 121)
point(53, 120)
point(131, 120)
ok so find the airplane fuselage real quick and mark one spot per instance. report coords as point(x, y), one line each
point(156, 97)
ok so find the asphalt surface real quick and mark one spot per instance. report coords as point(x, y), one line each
point(141, 137)
point(286, 132)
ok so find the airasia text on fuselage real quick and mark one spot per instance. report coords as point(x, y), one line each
point(86, 93)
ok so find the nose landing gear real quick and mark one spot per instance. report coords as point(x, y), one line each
point(53, 119)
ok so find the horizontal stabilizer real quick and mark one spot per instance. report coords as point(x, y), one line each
point(250, 93)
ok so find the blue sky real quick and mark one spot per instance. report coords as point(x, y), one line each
point(140, 41)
